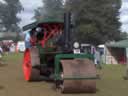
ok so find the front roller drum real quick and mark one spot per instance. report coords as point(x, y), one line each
point(78, 76)
point(30, 72)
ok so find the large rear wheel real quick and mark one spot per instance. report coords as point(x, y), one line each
point(31, 73)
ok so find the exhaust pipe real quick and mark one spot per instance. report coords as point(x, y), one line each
point(67, 30)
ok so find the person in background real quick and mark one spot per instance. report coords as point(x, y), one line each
point(97, 59)
point(1, 52)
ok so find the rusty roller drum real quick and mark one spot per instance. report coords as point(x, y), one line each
point(30, 63)
point(78, 68)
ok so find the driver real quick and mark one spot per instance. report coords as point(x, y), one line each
point(31, 37)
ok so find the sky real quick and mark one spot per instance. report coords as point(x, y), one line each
point(124, 16)
point(30, 5)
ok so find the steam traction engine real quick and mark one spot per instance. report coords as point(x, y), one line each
point(51, 58)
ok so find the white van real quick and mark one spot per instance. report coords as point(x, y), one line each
point(21, 46)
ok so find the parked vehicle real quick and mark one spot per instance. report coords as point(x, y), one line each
point(21, 46)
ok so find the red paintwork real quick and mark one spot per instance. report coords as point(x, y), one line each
point(27, 65)
point(50, 31)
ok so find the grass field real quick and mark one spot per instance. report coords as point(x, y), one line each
point(11, 78)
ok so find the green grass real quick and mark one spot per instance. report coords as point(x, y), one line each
point(112, 72)
point(112, 82)
point(12, 57)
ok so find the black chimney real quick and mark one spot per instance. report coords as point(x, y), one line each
point(67, 25)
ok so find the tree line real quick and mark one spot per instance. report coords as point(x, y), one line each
point(95, 21)
point(8, 15)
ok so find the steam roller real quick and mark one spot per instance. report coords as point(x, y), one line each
point(51, 57)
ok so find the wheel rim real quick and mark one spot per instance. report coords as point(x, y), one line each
point(27, 65)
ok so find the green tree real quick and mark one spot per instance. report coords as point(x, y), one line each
point(8, 15)
point(124, 35)
point(96, 21)
point(2, 7)
point(50, 9)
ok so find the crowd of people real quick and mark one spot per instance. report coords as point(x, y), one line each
point(6, 47)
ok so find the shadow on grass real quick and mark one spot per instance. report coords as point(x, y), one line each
point(1, 87)
point(3, 65)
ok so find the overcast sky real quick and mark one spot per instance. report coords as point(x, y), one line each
point(28, 13)
point(30, 5)
point(124, 15)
